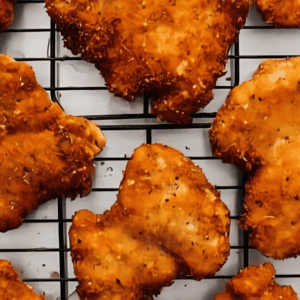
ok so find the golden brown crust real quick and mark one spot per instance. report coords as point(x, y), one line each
point(256, 283)
point(110, 264)
point(6, 13)
point(174, 188)
point(272, 209)
point(258, 130)
point(174, 50)
point(165, 204)
point(280, 13)
point(44, 153)
point(11, 286)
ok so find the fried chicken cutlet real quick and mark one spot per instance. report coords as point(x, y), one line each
point(258, 130)
point(6, 13)
point(280, 13)
point(12, 287)
point(174, 50)
point(256, 283)
point(168, 221)
point(44, 153)
point(110, 264)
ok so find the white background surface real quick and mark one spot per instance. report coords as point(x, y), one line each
point(192, 142)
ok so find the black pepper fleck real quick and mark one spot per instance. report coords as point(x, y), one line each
point(259, 203)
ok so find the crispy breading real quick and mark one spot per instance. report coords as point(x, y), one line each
point(110, 264)
point(280, 13)
point(258, 130)
point(12, 287)
point(6, 13)
point(44, 153)
point(256, 283)
point(174, 50)
point(168, 222)
point(175, 199)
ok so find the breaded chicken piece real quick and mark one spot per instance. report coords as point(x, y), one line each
point(44, 153)
point(280, 13)
point(174, 50)
point(12, 287)
point(168, 222)
point(110, 264)
point(6, 13)
point(175, 199)
point(256, 283)
point(258, 130)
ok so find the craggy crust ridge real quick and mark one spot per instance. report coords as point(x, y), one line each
point(174, 50)
point(280, 13)
point(44, 153)
point(168, 221)
point(6, 13)
point(12, 287)
point(258, 130)
point(256, 283)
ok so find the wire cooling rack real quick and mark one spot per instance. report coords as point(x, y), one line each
point(39, 249)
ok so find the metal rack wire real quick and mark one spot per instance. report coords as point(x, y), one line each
point(57, 214)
